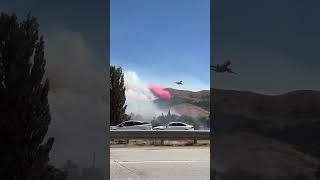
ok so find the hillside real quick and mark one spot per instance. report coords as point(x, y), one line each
point(279, 110)
point(288, 123)
point(190, 110)
point(294, 104)
point(285, 128)
point(194, 104)
point(293, 117)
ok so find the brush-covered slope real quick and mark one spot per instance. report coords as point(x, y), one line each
point(292, 118)
point(295, 104)
point(194, 104)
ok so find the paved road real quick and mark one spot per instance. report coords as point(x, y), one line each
point(160, 163)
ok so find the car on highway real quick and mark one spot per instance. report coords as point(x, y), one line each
point(132, 125)
point(175, 126)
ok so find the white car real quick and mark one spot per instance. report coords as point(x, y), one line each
point(175, 126)
point(132, 125)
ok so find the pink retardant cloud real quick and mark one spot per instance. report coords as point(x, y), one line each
point(160, 91)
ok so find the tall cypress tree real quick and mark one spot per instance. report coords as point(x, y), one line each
point(24, 108)
point(117, 96)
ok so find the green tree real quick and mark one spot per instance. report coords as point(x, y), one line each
point(24, 108)
point(117, 96)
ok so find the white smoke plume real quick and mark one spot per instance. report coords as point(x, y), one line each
point(139, 99)
point(77, 99)
point(70, 63)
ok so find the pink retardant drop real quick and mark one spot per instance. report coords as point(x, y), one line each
point(160, 91)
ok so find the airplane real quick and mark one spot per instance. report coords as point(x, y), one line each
point(179, 83)
point(223, 68)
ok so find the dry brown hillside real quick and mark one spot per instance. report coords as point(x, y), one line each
point(292, 118)
point(251, 105)
point(194, 104)
point(260, 134)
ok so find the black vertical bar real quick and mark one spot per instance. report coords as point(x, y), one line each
point(108, 90)
point(212, 129)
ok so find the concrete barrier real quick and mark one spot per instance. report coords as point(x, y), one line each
point(160, 134)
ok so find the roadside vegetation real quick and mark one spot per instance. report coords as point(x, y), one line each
point(24, 108)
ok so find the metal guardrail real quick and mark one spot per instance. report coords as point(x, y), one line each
point(160, 134)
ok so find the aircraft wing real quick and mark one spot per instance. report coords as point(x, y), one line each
point(230, 71)
point(227, 63)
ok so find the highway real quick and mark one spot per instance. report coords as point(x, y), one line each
point(160, 163)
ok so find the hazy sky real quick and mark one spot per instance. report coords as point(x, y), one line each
point(273, 45)
point(82, 16)
point(163, 41)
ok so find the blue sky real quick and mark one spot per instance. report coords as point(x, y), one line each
point(162, 41)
